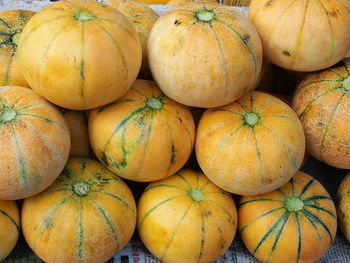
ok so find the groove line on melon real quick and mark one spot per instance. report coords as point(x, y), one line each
point(277, 238)
point(82, 61)
point(317, 198)
point(204, 185)
point(81, 234)
point(117, 45)
point(229, 111)
point(336, 73)
point(163, 185)
point(328, 124)
point(116, 197)
point(47, 120)
point(5, 23)
point(172, 146)
point(155, 207)
point(326, 12)
point(202, 235)
point(231, 221)
point(174, 232)
point(322, 209)
point(261, 200)
point(8, 70)
point(2, 212)
point(108, 221)
point(244, 108)
point(312, 217)
point(231, 136)
point(260, 217)
point(346, 67)
point(258, 154)
point(307, 187)
point(178, 174)
point(47, 221)
point(297, 219)
point(180, 42)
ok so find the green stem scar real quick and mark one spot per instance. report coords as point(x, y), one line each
point(196, 195)
point(154, 103)
point(7, 114)
point(346, 83)
point(205, 15)
point(293, 204)
point(251, 118)
point(84, 16)
point(15, 38)
point(81, 188)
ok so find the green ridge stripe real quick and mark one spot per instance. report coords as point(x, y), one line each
point(203, 230)
point(21, 162)
point(172, 146)
point(336, 73)
point(319, 81)
point(279, 116)
point(314, 225)
point(309, 105)
point(82, 62)
point(243, 107)
point(122, 125)
point(205, 185)
point(306, 187)
point(223, 57)
point(46, 223)
point(197, 180)
point(159, 205)
point(277, 238)
point(329, 121)
point(81, 235)
point(2, 212)
point(181, 39)
point(37, 134)
point(299, 235)
point(116, 43)
point(326, 12)
point(176, 229)
point(41, 118)
point(139, 92)
point(225, 110)
point(84, 163)
point(108, 221)
point(346, 66)
point(261, 200)
point(5, 23)
point(270, 231)
point(323, 210)
point(251, 99)
point(312, 216)
point(163, 185)
point(28, 106)
point(116, 197)
point(265, 106)
point(183, 179)
point(250, 51)
point(317, 198)
point(260, 217)
point(258, 154)
point(8, 70)
point(232, 135)
point(222, 208)
point(291, 181)
point(285, 145)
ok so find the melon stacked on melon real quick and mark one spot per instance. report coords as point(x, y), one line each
point(98, 96)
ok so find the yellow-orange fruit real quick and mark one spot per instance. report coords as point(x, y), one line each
point(290, 32)
point(186, 218)
point(12, 23)
point(322, 102)
point(80, 54)
point(79, 136)
point(144, 136)
point(343, 206)
point(142, 18)
point(87, 215)
point(204, 54)
point(34, 143)
point(295, 223)
point(251, 146)
point(10, 227)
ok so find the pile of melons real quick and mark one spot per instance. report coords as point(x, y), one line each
point(97, 95)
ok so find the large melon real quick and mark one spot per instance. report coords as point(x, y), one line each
point(34, 143)
point(12, 23)
point(343, 206)
point(204, 54)
point(80, 54)
point(251, 146)
point(295, 223)
point(10, 227)
point(144, 136)
point(87, 215)
point(322, 102)
point(186, 218)
point(305, 35)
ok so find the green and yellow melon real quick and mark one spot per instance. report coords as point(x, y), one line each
point(322, 102)
point(343, 206)
point(295, 223)
point(10, 227)
point(80, 54)
point(204, 54)
point(144, 136)
point(12, 23)
point(186, 218)
point(87, 215)
point(34, 143)
point(251, 146)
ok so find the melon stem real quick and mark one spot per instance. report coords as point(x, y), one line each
point(251, 118)
point(81, 188)
point(293, 204)
point(196, 195)
point(205, 15)
point(15, 38)
point(7, 114)
point(346, 83)
point(84, 16)
point(154, 104)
